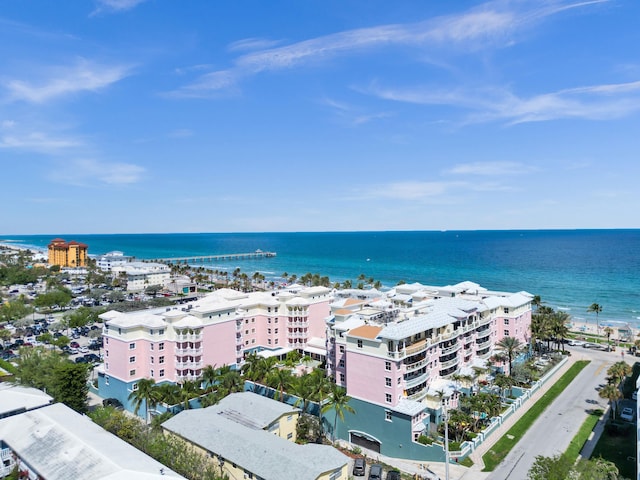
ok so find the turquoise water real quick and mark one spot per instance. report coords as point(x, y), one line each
point(569, 269)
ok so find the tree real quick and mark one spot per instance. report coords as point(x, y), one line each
point(608, 331)
point(613, 394)
point(595, 308)
point(557, 467)
point(14, 310)
point(618, 372)
point(339, 403)
point(280, 379)
point(510, 346)
point(71, 386)
point(303, 388)
point(146, 393)
point(559, 327)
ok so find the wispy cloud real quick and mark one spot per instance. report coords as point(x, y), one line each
point(492, 23)
point(88, 172)
point(37, 142)
point(409, 190)
point(491, 168)
point(252, 44)
point(351, 114)
point(597, 102)
point(104, 6)
point(63, 81)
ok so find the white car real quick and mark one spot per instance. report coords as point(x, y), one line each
point(83, 350)
point(627, 414)
point(634, 395)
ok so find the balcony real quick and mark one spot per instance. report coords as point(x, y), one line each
point(189, 365)
point(291, 324)
point(483, 345)
point(412, 367)
point(297, 334)
point(414, 348)
point(449, 363)
point(448, 350)
point(419, 395)
point(188, 351)
point(414, 382)
point(186, 377)
point(189, 338)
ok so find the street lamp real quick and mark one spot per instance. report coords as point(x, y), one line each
point(445, 417)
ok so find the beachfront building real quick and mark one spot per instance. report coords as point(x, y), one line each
point(57, 443)
point(67, 254)
point(250, 436)
point(393, 354)
point(174, 344)
point(140, 275)
point(109, 260)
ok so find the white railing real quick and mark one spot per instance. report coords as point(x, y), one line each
point(483, 345)
point(297, 334)
point(416, 380)
point(297, 324)
point(189, 338)
point(188, 351)
point(446, 351)
point(410, 367)
point(448, 363)
point(188, 365)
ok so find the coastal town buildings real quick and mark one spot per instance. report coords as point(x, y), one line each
point(140, 275)
point(111, 259)
point(394, 352)
point(67, 254)
point(174, 344)
point(250, 436)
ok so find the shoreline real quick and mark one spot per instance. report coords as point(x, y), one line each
point(584, 327)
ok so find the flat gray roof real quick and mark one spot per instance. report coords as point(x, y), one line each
point(252, 409)
point(14, 398)
point(258, 451)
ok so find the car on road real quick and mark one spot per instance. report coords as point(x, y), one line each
point(575, 343)
point(359, 467)
point(394, 475)
point(627, 414)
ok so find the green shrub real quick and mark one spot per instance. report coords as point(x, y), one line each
point(425, 440)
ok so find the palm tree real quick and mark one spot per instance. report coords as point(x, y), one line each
point(559, 327)
point(613, 394)
point(510, 346)
point(608, 332)
point(303, 388)
point(189, 390)
point(339, 402)
point(145, 392)
point(619, 371)
point(595, 308)
point(280, 379)
point(209, 376)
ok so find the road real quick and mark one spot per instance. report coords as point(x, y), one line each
point(556, 427)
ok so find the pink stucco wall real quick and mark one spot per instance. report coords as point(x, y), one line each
point(366, 378)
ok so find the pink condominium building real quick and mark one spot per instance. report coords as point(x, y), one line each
point(175, 343)
point(390, 349)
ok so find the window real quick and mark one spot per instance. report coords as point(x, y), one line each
point(289, 418)
point(161, 359)
point(161, 346)
point(161, 331)
point(506, 333)
point(106, 352)
point(268, 341)
point(342, 378)
point(387, 397)
point(341, 348)
point(399, 380)
point(387, 382)
point(268, 320)
point(253, 330)
point(151, 360)
point(106, 340)
point(253, 340)
point(106, 379)
point(253, 320)
point(131, 374)
point(132, 346)
point(275, 330)
point(275, 341)
point(506, 321)
point(359, 343)
point(506, 310)
point(151, 346)
point(387, 415)
point(132, 359)
point(161, 373)
point(246, 342)
point(289, 436)
point(246, 320)
point(341, 363)
point(106, 366)
point(151, 332)
point(387, 366)
point(268, 330)
point(276, 320)
point(151, 373)
point(246, 332)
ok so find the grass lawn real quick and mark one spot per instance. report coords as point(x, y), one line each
point(583, 435)
point(503, 446)
point(619, 448)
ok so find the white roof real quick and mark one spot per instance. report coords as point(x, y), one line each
point(409, 407)
point(274, 353)
point(188, 322)
point(60, 444)
point(15, 398)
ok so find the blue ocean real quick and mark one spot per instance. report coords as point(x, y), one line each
point(569, 269)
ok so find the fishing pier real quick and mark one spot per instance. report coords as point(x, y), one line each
point(216, 258)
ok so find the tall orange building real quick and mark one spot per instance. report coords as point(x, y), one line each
point(67, 254)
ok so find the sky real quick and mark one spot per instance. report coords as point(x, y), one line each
point(137, 116)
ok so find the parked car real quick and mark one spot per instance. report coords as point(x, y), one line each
point(375, 472)
point(83, 349)
point(359, 467)
point(92, 358)
point(394, 475)
point(627, 414)
point(112, 402)
point(74, 345)
point(634, 395)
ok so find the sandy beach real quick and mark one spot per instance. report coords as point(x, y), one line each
point(621, 330)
